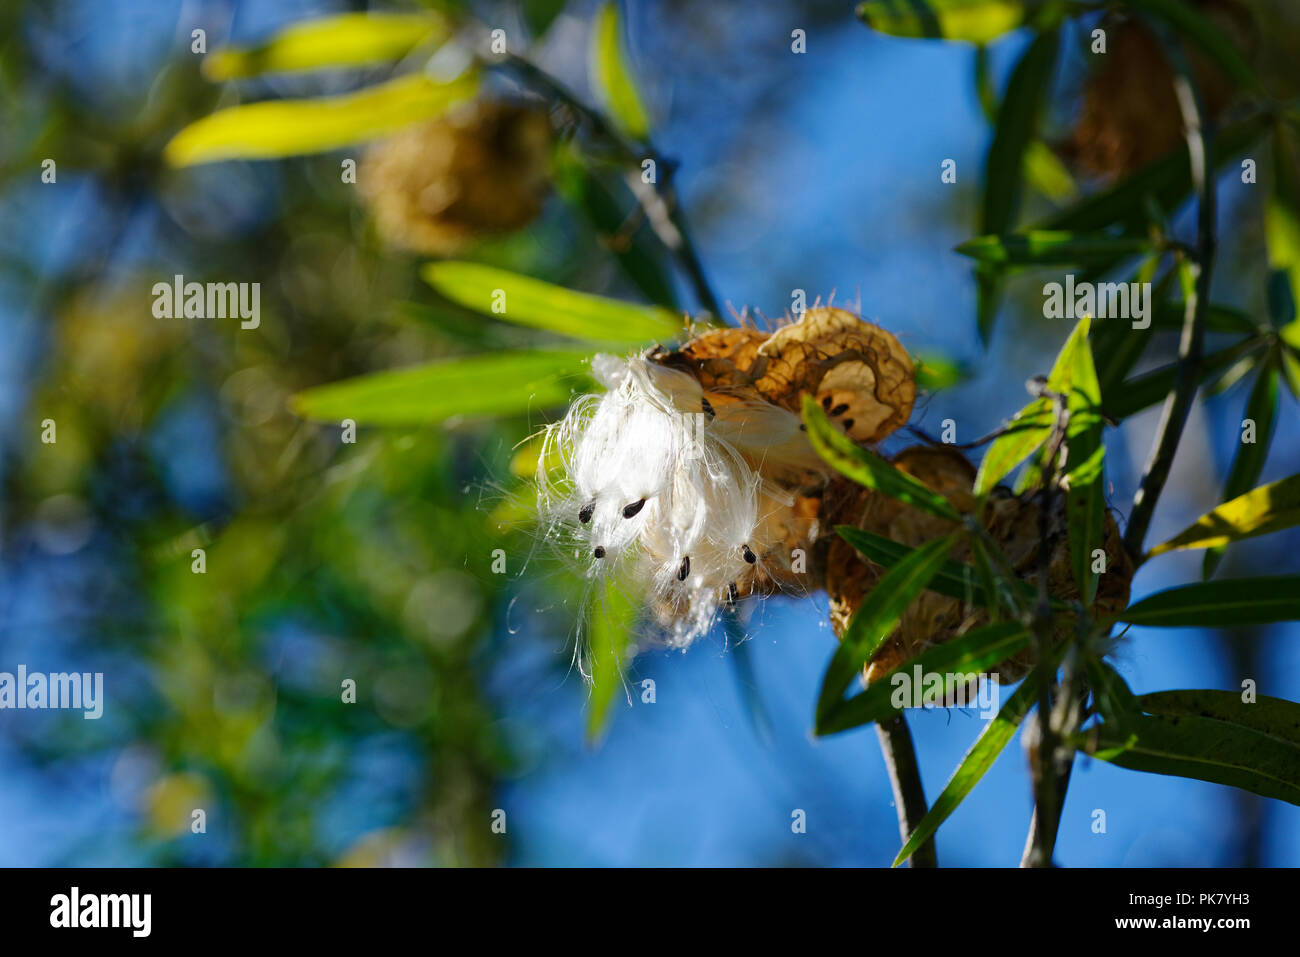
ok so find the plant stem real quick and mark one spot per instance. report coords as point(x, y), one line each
point(658, 199)
point(1178, 404)
point(905, 777)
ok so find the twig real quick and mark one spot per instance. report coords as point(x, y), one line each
point(658, 200)
point(905, 777)
point(1178, 404)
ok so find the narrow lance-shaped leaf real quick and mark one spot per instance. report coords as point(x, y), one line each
point(612, 76)
point(1276, 717)
point(541, 305)
point(610, 646)
point(972, 21)
point(343, 40)
point(1269, 508)
point(292, 127)
point(503, 383)
point(1084, 502)
point(867, 468)
point(974, 653)
point(1052, 247)
point(1145, 390)
point(878, 616)
point(973, 767)
point(1236, 601)
point(1253, 440)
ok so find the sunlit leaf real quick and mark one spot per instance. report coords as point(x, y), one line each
point(878, 616)
point(610, 644)
point(1232, 602)
point(973, 653)
point(867, 468)
point(1248, 462)
point(934, 372)
point(290, 127)
point(1043, 247)
point(503, 383)
point(974, 21)
point(611, 75)
point(541, 305)
point(1269, 508)
point(973, 767)
point(344, 40)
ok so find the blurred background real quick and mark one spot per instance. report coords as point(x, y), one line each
point(372, 561)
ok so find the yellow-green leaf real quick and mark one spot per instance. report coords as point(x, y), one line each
point(290, 127)
point(612, 76)
point(610, 647)
point(541, 305)
point(348, 39)
point(974, 21)
point(503, 383)
point(1269, 508)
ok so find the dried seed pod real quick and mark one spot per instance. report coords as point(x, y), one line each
point(480, 170)
point(1012, 521)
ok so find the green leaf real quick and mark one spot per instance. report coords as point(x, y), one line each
point(1188, 21)
point(1052, 247)
point(1033, 424)
point(973, 767)
point(972, 21)
point(541, 305)
point(503, 383)
point(973, 653)
point(878, 616)
point(610, 647)
point(1275, 717)
point(344, 40)
point(1047, 174)
point(1115, 701)
point(1205, 749)
point(612, 77)
point(1017, 120)
point(867, 468)
point(1232, 602)
point(290, 127)
point(1282, 226)
point(1085, 505)
point(1269, 508)
point(934, 372)
point(1145, 390)
point(540, 14)
point(1248, 462)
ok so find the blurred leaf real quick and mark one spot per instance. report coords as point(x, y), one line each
point(973, 653)
point(1030, 82)
point(638, 253)
point(290, 127)
point(1047, 174)
point(973, 767)
point(1248, 462)
point(540, 14)
point(1049, 248)
point(611, 645)
point(1282, 226)
point(503, 383)
point(974, 21)
point(952, 579)
point(1229, 603)
point(1145, 390)
point(542, 305)
point(1115, 701)
point(1205, 749)
point(611, 75)
point(867, 468)
point(878, 616)
point(344, 40)
point(934, 372)
point(1269, 508)
point(1211, 38)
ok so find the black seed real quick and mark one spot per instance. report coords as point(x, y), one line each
point(840, 409)
point(826, 403)
point(802, 427)
point(708, 409)
point(630, 510)
point(732, 594)
point(749, 555)
point(599, 551)
point(685, 569)
point(848, 424)
point(584, 515)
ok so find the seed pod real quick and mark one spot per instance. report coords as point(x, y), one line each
point(480, 170)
